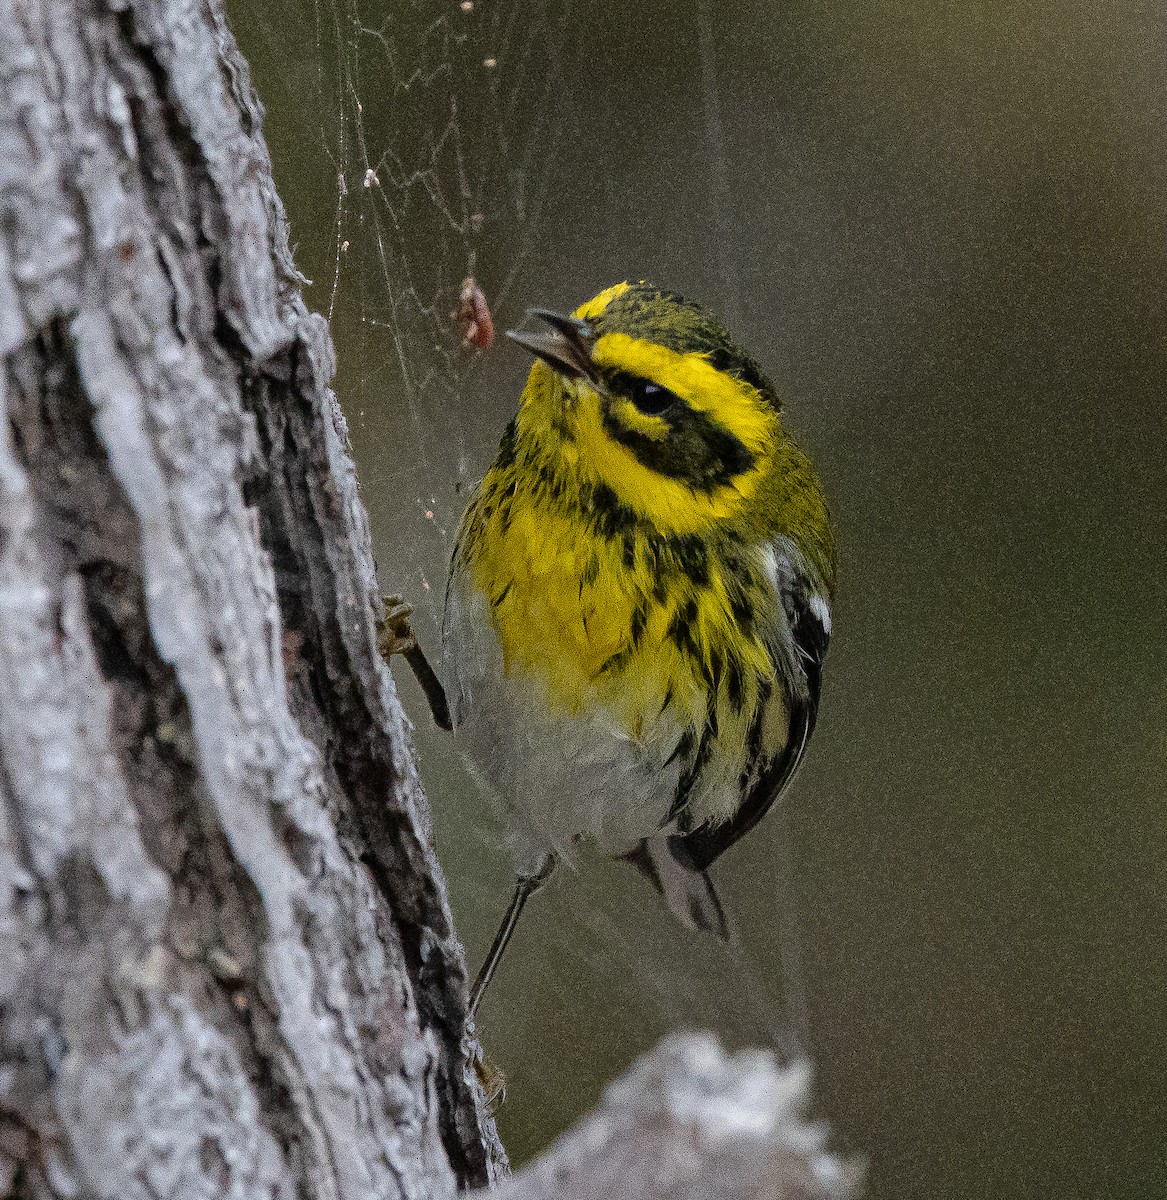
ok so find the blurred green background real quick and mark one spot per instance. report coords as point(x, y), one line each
point(941, 227)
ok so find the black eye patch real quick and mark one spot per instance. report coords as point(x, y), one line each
point(694, 449)
point(650, 398)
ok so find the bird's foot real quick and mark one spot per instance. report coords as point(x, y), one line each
point(394, 632)
point(492, 1079)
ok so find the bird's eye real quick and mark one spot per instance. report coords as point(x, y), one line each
point(651, 398)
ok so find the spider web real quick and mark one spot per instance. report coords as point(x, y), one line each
point(431, 128)
point(850, 188)
point(417, 143)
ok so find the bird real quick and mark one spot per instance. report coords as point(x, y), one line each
point(638, 606)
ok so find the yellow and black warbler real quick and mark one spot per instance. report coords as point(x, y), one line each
point(639, 601)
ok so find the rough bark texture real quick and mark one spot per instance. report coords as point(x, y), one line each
point(689, 1122)
point(227, 966)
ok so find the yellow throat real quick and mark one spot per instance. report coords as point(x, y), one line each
point(623, 551)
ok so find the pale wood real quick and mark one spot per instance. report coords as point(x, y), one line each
point(690, 1122)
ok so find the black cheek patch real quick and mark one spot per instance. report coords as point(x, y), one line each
point(695, 451)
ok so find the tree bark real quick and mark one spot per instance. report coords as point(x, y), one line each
point(689, 1122)
point(228, 964)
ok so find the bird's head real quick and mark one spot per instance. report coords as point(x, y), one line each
point(646, 393)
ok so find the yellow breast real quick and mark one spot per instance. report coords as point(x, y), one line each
point(613, 622)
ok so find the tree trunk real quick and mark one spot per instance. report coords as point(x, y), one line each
point(228, 962)
point(227, 965)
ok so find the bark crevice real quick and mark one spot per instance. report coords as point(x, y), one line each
point(205, 985)
point(230, 968)
point(336, 695)
point(215, 922)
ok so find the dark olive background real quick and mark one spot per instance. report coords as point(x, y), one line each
point(942, 229)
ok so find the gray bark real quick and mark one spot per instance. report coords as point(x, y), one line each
point(227, 966)
point(689, 1122)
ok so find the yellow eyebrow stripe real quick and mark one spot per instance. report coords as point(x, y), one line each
point(733, 404)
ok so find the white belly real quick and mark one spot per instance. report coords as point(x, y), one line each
point(552, 778)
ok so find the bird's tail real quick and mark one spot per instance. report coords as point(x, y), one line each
point(688, 891)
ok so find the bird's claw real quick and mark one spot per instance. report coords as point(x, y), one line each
point(492, 1080)
point(394, 632)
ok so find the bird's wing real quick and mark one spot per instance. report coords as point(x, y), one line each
point(808, 614)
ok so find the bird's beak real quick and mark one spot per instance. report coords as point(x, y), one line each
point(567, 348)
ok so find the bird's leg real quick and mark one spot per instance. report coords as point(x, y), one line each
point(525, 888)
point(395, 636)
